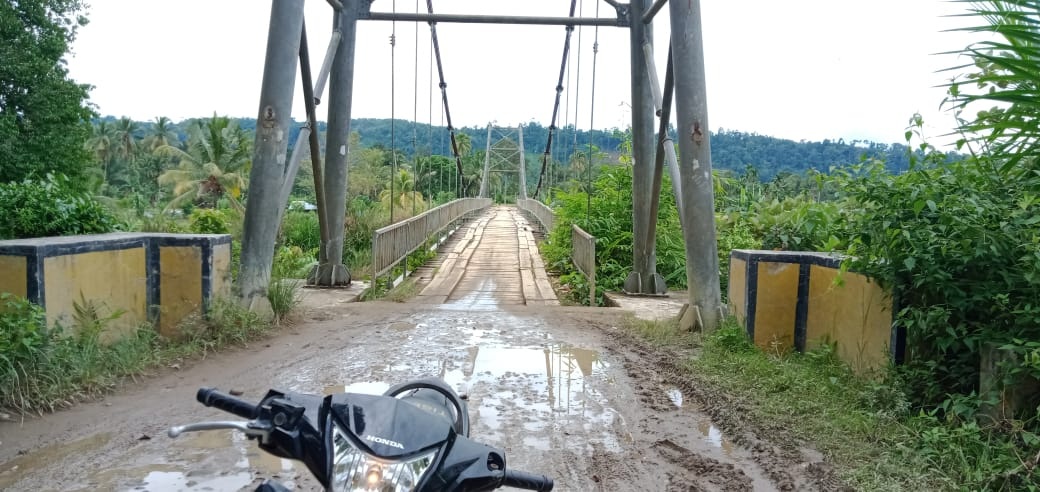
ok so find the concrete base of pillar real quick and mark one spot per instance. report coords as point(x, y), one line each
point(634, 285)
point(328, 275)
point(260, 305)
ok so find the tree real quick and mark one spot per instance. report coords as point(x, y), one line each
point(101, 142)
point(1006, 74)
point(161, 133)
point(404, 198)
point(214, 165)
point(44, 115)
point(126, 131)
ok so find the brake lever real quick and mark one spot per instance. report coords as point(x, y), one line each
point(252, 429)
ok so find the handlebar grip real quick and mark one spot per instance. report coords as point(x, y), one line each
point(529, 481)
point(213, 398)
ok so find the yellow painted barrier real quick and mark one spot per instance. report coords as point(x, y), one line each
point(149, 278)
point(799, 300)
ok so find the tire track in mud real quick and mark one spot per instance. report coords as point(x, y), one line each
point(788, 465)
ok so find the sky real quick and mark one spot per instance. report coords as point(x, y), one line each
point(800, 69)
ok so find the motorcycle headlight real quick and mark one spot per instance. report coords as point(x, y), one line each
point(353, 470)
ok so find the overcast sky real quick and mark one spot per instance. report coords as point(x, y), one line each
point(800, 69)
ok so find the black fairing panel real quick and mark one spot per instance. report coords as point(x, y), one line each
point(381, 424)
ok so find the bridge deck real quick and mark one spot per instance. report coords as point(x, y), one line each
point(494, 262)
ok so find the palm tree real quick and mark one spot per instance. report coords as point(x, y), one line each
point(1005, 75)
point(125, 138)
point(213, 166)
point(404, 196)
point(161, 133)
point(100, 142)
point(464, 144)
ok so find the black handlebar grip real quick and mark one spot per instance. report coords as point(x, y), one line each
point(213, 398)
point(522, 480)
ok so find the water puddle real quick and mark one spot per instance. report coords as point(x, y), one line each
point(200, 461)
point(160, 480)
point(534, 394)
point(676, 396)
point(714, 436)
point(709, 433)
point(16, 469)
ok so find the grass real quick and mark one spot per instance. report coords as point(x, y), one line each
point(44, 369)
point(403, 292)
point(863, 427)
point(284, 295)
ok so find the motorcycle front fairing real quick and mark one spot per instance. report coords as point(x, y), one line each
point(389, 444)
point(380, 443)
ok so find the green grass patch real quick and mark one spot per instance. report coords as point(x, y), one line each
point(819, 400)
point(284, 295)
point(864, 427)
point(45, 368)
point(403, 292)
point(663, 332)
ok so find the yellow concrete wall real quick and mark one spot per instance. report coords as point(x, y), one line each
point(180, 285)
point(856, 314)
point(221, 270)
point(775, 305)
point(112, 280)
point(13, 275)
point(737, 297)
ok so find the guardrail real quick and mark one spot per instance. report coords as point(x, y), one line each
point(543, 213)
point(583, 254)
point(393, 243)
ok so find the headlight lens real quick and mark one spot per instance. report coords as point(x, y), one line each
point(353, 470)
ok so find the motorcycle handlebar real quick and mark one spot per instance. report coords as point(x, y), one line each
point(210, 397)
point(529, 481)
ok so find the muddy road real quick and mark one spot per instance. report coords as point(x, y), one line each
point(561, 389)
point(551, 387)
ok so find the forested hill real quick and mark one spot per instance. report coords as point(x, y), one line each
point(730, 149)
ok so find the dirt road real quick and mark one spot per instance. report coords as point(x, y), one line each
point(561, 389)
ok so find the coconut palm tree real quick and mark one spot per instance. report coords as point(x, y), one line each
point(214, 164)
point(404, 198)
point(100, 143)
point(161, 133)
point(125, 138)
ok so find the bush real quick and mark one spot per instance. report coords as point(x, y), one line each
point(51, 206)
point(733, 232)
point(957, 243)
point(301, 229)
point(208, 221)
point(23, 336)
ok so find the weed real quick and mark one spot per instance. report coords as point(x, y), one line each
point(403, 292)
point(284, 295)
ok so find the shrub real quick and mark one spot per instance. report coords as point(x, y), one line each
point(957, 243)
point(208, 221)
point(301, 229)
point(51, 206)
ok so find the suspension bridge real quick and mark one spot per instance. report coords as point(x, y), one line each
point(498, 243)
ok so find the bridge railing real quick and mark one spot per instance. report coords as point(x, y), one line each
point(540, 211)
point(583, 254)
point(393, 243)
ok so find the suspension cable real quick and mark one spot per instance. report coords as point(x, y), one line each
point(556, 106)
point(444, 100)
point(415, 114)
point(393, 98)
point(577, 89)
point(592, 120)
point(429, 135)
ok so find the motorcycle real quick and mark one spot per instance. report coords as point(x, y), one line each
point(413, 437)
